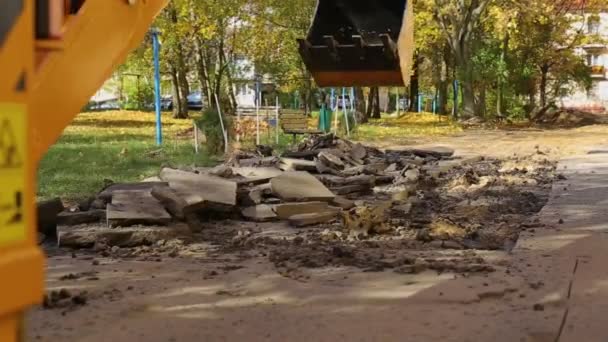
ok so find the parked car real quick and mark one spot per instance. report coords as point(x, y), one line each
point(195, 101)
point(341, 102)
point(106, 105)
point(166, 103)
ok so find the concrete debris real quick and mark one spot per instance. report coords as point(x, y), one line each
point(288, 164)
point(81, 217)
point(287, 210)
point(342, 202)
point(200, 190)
point(303, 220)
point(85, 236)
point(133, 207)
point(300, 186)
point(259, 213)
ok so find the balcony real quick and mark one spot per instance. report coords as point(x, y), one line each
point(598, 72)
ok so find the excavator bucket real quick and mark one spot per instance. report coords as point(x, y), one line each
point(360, 43)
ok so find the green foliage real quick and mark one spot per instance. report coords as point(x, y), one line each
point(209, 123)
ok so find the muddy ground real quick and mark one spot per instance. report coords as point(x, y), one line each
point(460, 224)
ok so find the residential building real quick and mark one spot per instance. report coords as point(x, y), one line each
point(594, 99)
point(247, 83)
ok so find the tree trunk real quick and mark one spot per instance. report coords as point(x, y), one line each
point(376, 104)
point(544, 71)
point(480, 109)
point(362, 115)
point(177, 102)
point(369, 103)
point(203, 74)
point(414, 85)
point(500, 96)
point(180, 71)
point(468, 98)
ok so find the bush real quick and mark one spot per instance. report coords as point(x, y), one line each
point(209, 124)
point(352, 121)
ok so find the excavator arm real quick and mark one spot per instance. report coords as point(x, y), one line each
point(44, 84)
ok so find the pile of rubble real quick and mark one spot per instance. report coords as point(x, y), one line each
point(361, 207)
point(315, 184)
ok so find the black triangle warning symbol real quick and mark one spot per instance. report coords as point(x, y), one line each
point(9, 151)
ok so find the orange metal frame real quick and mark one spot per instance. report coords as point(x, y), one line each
point(61, 75)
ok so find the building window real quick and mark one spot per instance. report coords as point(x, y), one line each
point(593, 25)
point(594, 59)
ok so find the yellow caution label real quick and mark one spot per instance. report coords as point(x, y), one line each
point(13, 127)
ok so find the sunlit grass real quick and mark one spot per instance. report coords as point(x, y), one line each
point(117, 145)
point(399, 130)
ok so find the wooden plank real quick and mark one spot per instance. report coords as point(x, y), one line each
point(131, 207)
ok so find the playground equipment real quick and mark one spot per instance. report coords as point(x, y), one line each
point(360, 43)
point(48, 75)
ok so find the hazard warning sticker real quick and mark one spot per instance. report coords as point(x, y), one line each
point(12, 173)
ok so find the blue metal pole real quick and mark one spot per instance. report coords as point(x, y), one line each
point(156, 46)
point(331, 99)
point(420, 103)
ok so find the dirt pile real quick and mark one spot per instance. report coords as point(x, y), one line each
point(568, 117)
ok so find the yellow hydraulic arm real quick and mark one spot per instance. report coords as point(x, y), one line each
point(43, 85)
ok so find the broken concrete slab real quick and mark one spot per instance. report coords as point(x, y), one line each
point(107, 193)
point(343, 203)
point(132, 207)
point(350, 189)
point(289, 164)
point(304, 220)
point(200, 190)
point(310, 155)
point(172, 202)
point(259, 213)
point(358, 151)
point(258, 172)
point(331, 160)
point(81, 217)
point(299, 187)
point(85, 236)
point(222, 171)
point(154, 179)
point(286, 210)
point(425, 152)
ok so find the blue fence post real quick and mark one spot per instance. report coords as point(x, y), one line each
point(332, 99)
point(420, 99)
point(156, 47)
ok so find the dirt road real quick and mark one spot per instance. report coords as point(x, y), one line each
point(539, 291)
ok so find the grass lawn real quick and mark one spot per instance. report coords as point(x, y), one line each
point(401, 130)
point(117, 145)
